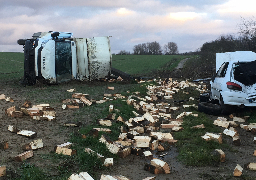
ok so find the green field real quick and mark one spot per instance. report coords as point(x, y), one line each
point(11, 65)
point(145, 64)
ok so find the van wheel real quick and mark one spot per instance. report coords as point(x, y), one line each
point(204, 97)
point(225, 109)
point(209, 108)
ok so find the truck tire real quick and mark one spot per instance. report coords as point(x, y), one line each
point(209, 108)
point(21, 41)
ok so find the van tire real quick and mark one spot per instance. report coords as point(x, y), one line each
point(209, 108)
point(225, 108)
point(204, 97)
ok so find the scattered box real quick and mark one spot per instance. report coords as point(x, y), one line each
point(23, 156)
point(238, 171)
point(212, 136)
point(161, 165)
point(142, 141)
point(80, 176)
point(64, 149)
point(2, 171)
point(222, 155)
point(36, 144)
point(108, 162)
point(27, 133)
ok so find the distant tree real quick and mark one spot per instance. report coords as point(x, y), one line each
point(154, 48)
point(248, 34)
point(123, 52)
point(171, 48)
point(151, 48)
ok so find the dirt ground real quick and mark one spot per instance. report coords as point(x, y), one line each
point(53, 133)
point(133, 166)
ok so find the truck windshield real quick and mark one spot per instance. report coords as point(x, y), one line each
point(63, 60)
point(245, 72)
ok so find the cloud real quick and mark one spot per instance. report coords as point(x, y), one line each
point(129, 22)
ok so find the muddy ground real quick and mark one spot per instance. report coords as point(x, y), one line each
point(53, 133)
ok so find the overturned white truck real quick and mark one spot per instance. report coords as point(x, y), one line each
point(58, 57)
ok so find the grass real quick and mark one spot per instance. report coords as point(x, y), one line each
point(11, 66)
point(193, 150)
point(31, 172)
point(145, 64)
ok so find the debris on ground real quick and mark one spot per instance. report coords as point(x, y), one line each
point(222, 155)
point(212, 136)
point(36, 144)
point(36, 112)
point(150, 131)
point(2, 171)
point(108, 177)
point(26, 133)
point(251, 166)
point(65, 149)
point(238, 171)
point(23, 156)
point(80, 176)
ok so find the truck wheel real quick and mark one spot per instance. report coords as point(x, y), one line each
point(21, 41)
point(209, 108)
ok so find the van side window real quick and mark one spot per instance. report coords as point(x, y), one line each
point(223, 69)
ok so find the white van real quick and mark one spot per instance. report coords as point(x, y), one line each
point(235, 79)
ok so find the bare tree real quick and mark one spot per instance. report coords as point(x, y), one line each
point(248, 27)
point(248, 33)
point(171, 48)
point(123, 52)
point(151, 48)
point(154, 48)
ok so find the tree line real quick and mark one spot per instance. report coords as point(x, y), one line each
point(245, 40)
point(153, 48)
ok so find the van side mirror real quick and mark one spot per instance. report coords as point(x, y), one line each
point(213, 78)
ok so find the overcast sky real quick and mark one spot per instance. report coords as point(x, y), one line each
point(189, 23)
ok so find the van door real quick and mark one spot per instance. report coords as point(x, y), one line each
point(218, 81)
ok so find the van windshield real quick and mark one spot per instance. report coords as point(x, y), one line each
point(245, 72)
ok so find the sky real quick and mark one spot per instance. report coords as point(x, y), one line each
point(188, 23)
